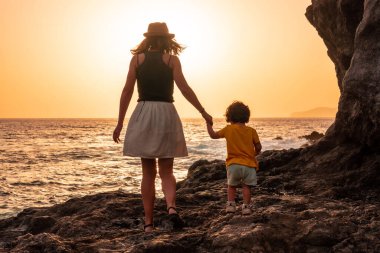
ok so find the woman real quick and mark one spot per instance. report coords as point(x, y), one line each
point(154, 129)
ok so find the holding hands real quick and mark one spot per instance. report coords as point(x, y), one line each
point(207, 117)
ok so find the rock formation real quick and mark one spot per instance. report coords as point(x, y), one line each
point(351, 32)
point(322, 198)
point(313, 137)
point(284, 219)
point(349, 154)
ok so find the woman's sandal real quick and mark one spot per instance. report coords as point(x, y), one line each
point(175, 219)
point(172, 207)
point(148, 226)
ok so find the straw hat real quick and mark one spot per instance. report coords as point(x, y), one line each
point(158, 29)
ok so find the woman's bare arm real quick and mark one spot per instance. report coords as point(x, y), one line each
point(186, 90)
point(125, 98)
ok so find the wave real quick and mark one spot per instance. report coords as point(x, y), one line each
point(2, 193)
point(35, 183)
point(80, 155)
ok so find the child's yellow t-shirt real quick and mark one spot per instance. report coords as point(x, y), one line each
point(240, 148)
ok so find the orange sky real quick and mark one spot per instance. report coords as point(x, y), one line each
point(69, 58)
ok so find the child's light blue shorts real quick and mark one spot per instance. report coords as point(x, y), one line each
point(237, 174)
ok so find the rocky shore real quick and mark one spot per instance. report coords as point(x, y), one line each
point(285, 218)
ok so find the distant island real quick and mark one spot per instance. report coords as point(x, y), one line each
point(319, 112)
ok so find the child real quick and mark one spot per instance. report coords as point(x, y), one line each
point(243, 145)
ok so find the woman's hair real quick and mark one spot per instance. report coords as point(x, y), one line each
point(161, 43)
point(237, 112)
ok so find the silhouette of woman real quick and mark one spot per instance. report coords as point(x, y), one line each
point(154, 130)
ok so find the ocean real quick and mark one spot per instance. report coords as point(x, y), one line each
point(48, 161)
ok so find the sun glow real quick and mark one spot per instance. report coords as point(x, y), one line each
point(70, 58)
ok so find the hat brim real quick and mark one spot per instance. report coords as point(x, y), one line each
point(153, 34)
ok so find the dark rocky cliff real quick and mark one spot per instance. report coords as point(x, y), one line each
point(351, 32)
point(349, 154)
point(322, 198)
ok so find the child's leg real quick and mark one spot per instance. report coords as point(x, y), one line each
point(231, 193)
point(249, 180)
point(246, 194)
point(233, 180)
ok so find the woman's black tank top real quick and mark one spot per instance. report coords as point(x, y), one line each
point(155, 79)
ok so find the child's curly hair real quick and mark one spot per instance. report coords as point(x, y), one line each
point(237, 112)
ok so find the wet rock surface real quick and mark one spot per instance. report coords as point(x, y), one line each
point(284, 219)
point(313, 137)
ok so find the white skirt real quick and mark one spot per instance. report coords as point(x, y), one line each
point(155, 131)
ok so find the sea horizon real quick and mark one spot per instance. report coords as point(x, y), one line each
point(190, 118)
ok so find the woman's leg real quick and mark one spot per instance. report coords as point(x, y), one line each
point(148, 189)
point(165, 166)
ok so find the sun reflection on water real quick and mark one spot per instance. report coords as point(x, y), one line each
point(45, 162)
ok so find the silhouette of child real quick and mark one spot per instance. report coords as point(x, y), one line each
point(243, 145)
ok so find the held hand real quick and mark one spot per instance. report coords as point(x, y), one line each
point(207, 117)
point(116, 133)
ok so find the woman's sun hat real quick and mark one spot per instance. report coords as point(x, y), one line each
point(158, 29)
